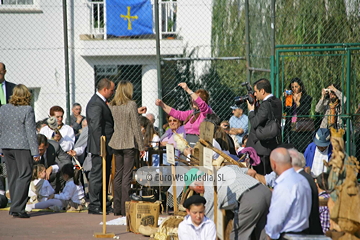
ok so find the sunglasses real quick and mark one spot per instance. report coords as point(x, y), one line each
point(173, 120)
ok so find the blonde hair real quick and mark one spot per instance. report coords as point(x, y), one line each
point(37, 169)
point(123, 94)
point(21, 96)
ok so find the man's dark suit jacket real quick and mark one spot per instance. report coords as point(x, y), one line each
point(55, 156)
point(314, 218)
point(100, 123)
point(260, 117)
point(9, 86)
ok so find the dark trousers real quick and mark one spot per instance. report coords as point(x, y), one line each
point(19, 164)
point(95, 182)
point(124, 161)
point(250, 218)
point(264, 167)
point(3, 199)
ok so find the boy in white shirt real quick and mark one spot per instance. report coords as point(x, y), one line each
point(196, 225)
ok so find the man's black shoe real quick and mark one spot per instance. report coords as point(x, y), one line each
point(96, 211)
point(148, 198)
point(20, 215)
point(135, 197)
point(143, 198)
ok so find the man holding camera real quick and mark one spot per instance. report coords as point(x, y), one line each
point(270, 107)
point(330, 104)
point(63, 133)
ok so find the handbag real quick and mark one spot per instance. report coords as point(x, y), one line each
point(303, 125)
point(87, 164)
point(270, 131)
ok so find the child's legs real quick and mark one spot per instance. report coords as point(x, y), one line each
point(49, 203)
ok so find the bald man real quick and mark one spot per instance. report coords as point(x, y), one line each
point(298, 163)
point(6, 87)
point(291, 199)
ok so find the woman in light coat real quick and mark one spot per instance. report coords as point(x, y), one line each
point(126, 141)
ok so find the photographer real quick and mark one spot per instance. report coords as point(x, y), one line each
point(259, 117)
point(63, 134)
point(299, 128)
point(330, 104)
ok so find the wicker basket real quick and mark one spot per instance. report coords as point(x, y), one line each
point(168, 229)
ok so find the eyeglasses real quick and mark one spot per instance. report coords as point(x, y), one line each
point(173, 120)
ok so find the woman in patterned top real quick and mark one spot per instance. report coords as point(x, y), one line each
point(126, 142)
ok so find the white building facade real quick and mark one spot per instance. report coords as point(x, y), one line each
point(32, 47)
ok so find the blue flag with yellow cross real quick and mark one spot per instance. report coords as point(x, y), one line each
point(129, 17)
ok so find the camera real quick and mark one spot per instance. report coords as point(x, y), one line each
point(288, 92)
point(249, 97)
point(327, 93)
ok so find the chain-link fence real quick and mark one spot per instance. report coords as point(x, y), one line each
point(215, 45)
point(326, 77)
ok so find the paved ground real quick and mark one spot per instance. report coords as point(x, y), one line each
point(56, 226)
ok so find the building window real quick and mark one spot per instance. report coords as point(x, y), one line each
point(17, 2)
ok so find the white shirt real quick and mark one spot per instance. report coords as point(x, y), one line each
point(79, 150)
point(290, 205)
point(268, 96)
point(188, 231)
point(155, 141)
point(68, 137)
point(71, 192)
point(101, 96)
point(46, 190)
point(318, 165)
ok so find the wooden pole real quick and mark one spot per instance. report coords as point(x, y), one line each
point(113, 167)
point(103, 155)
point(174, 189)
point(224, 155)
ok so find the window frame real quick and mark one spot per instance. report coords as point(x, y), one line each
point(20, 8)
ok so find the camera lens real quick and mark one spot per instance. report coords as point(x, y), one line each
point(241, 99)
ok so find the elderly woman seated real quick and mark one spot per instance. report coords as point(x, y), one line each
point(175, 128)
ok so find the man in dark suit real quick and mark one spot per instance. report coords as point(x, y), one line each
point(53, 158)
point(259, 117)
point(100, 123)
point(6, 87)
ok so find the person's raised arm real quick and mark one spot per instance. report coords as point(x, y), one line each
point(161, 104)
point(261, 116)
point(203, 106)
point(337, 92)
point(188, 90)
point(322, 103)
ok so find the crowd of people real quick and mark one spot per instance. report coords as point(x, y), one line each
point(41, 173)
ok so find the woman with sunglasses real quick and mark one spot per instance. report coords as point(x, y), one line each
point(175, 126)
